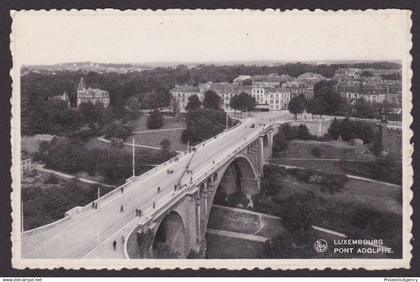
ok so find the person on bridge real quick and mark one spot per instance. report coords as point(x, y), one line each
point(93, 205)
point(114, 244)
point(154, 204)
point(121, 208)
point(158, 189)
point(137, 212)
point(122, 189)
point(122, 240)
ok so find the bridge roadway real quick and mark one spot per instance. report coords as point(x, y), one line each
point(90, 234)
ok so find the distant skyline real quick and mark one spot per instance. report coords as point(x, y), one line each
point(210, 37)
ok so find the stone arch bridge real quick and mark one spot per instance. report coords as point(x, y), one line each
point(231, 161)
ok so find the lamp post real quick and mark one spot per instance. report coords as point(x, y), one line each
point(134, 168)
point(98, 232)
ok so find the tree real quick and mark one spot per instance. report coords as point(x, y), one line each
point(303, 133)
point(242, 102)
point(363, 109)
point(165, 144)
point(88, 112)
point(296, 106)
point(174, 106)
point(366, 73)
point(155, 120)
point(211, 100)
point(144, 242)
point(133, 106)
point(193, 103)
point(326, 100)
point(156, 99)
point(203, 124)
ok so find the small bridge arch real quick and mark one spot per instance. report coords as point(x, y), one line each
point(170, 236)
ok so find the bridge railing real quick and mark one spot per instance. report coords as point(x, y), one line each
point(312, 117)
point(170, 199)
point(130, 183)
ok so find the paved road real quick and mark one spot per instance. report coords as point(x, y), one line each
point(68, 176)
point(81, 235)
point(102, 139)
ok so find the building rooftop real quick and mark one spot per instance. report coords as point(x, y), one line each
point(185, 88)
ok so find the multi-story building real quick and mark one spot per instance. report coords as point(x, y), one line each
point(349, 89)
point(373, 92)
point(181, 93)
point(278, 98)
point(296, 87)
point(93, 95)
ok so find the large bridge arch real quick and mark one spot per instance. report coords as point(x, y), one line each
point(239, 174)
point(170, 236)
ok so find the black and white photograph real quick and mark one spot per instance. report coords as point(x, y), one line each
point(211, 139)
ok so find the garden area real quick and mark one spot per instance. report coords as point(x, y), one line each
point(303, 198)
point(48, 202)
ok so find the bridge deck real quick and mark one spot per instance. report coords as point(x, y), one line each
point(78, 237)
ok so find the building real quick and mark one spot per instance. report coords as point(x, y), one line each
point(348, 72)
point(373, 92)
point(181, 93)
point(25, 163)
point(93, 95)
point(393, 92)
point(297, 88)
point(225, 91)
point(278, 98)
point(271, 98)
point(350, 89)
point(310, 77)
point(63, 97)
point(271, 80)
point(243, 80)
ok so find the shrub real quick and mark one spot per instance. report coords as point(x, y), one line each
point(238, 199)
point(221, 197)
point(302, 133)
point(52, 179)
point(332, 182)
point(155, 120)
point(315, 151)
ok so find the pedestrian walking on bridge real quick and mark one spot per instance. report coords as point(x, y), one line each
point(114, 244)
point(137, 212)
point(121, 208)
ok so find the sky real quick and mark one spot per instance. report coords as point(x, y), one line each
point(210, 36)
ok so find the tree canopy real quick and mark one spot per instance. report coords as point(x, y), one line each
point(203, 124)
point(326, 100)
point(242, 102)
point(296, 105)
point(193, 103)
point(211, 100)
point(155, 120)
